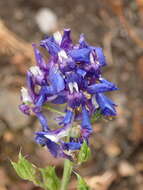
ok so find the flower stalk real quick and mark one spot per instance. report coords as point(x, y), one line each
point(72, 77)
point(53, 110)
point(68, 165)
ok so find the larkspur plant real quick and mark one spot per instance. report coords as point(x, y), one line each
point(72, 76)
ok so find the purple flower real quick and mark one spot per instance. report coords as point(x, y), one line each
point(72, 76)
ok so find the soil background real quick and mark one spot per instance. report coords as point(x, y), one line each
point(117, 145)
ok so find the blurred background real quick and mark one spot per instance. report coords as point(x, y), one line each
point(117, 145)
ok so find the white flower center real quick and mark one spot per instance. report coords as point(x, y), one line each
point(56, 137)
point(25, 95)
point(35, 70)
point(91, 58)
point(62, 55)
point(57, 37)
point(73, 86)
point(94, 102)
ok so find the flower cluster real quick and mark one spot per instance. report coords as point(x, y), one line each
point(71, 76)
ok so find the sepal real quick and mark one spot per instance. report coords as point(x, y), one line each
point(84, 153)
point(81, 184)
point(45, 178)
point(26, 170)
point(50, 179)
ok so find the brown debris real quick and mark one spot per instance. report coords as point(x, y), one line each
point(125, 169)
point(11, 45)
point(101, 182)
point(140, 67)
point(112, 149)
point(137, 129)
point(117, 7)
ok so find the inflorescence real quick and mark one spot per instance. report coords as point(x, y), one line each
point(72, 77)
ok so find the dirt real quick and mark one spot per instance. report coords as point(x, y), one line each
point(115, 26)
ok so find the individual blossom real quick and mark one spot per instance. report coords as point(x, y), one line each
point(71, 76)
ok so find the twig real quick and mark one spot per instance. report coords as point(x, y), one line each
point(12, 45)
point(117, 7)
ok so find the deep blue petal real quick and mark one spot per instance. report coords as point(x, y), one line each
point(80, 55)
point(43, 121)
point(55, 135)
point(45, 90)
point(68, 118)
point(81, 72)
point(106, 105)
point(71, 146)
point(110, 101)
point(25, 109)
point(82, 42)
point(61, 99)
point(101, 87)
point(56, 80)
point(55, 149)
point(67, 66)
point(40, 60)
point(73, 77)
point(75, 100)
point(51, 46)
point(66, 39)
point(48, 90)
point(100, 56)
point(31, 85)
point(86, 125)
point(40, 139)
point(42, 96)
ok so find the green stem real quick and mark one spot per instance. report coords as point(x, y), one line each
point(53, 110)
point(68, 165)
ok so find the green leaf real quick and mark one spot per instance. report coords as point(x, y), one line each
point(81, 184)
point(97, 116)
point(84, 153)
point(25, 169)
point(50, 179)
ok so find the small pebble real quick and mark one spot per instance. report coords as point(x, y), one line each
point(46, 20)
point(126, 169)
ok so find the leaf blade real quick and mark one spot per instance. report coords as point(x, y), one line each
point(84, 153)
point(50, 179)
point(81, 184)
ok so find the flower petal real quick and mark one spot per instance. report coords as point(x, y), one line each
point(100, 56)
point(40, 60)
point(68, 118)
point(56, 80)
point(106, 105)
point(51, 46)
point(80, 55)
point(86, 125)
point(25, 109)
point(81, 72)
point(30, 86)
point(61, 99)
point(43, 121)
point(55, 148)
point(66, 40)
point(101, 87)
point(71, 146)
point(82, 42)
point(42, 95)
